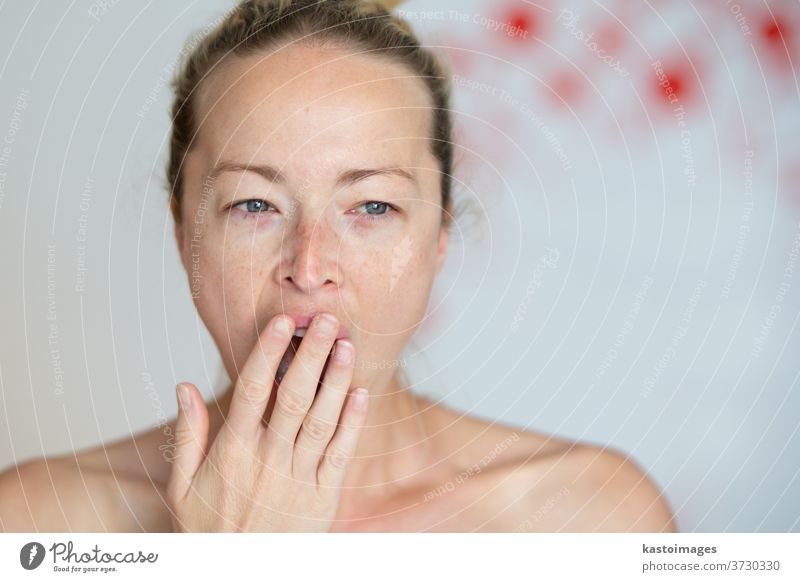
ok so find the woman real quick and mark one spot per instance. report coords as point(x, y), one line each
point(310, 172)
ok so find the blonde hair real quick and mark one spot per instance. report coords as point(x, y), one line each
point(365, 26)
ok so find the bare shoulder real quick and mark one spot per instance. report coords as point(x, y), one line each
point(466, 439)
point(586, 488)
point(544, 483)
point(146, 455)
point(115, 486)
point(112, 487)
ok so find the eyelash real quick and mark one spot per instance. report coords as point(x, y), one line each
point(369, 217)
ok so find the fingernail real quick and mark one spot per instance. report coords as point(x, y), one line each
point(360, 399)
point(327, 323)
point(184, 398)
point(343, 351)
point(282, 326)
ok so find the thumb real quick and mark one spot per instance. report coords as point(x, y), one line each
point(191, 440)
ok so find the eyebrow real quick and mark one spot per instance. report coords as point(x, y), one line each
point(346, 178)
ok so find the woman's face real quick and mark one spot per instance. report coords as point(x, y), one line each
point(308, 227)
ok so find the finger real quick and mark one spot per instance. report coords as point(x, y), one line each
point(299, 386)
point(254, 384)
point(342, 447)
point(191, 440)
point(320, 422)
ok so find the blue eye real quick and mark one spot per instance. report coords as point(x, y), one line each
point(253, 206)
point(374, 210)
point(377, 210)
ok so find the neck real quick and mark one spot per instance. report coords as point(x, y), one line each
point(395, 445)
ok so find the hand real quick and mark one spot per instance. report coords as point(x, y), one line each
point(281, 476)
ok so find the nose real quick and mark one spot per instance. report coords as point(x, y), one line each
point(311, 257)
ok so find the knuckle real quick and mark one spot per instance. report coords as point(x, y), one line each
point(337, 458)
point(252, 391)
point(337, 381)
point(317, 429)
point(291, 403)
point(183, 434)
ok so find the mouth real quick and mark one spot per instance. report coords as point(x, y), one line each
point(303, 321)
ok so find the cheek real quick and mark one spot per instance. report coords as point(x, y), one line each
point(237, 265)
point(391, 291)
point(226, 287)
point(393, 285)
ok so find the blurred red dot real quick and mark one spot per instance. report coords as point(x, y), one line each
point(776, 36)
point(521, 23)
point(772, 31)
point(673, 86)
point(565, 88)
point(459, 57)
point(609, 37)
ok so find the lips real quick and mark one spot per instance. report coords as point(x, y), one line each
point(303, 321)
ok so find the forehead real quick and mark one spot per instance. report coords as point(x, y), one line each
point(310, 102)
